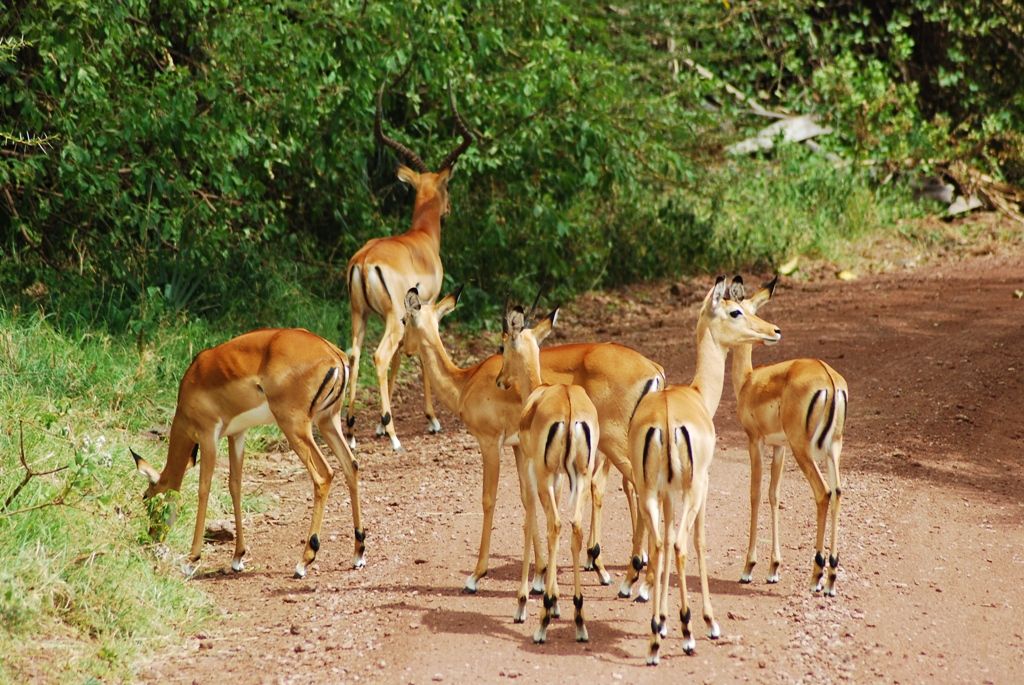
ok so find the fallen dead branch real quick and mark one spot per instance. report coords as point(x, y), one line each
point(29, 475)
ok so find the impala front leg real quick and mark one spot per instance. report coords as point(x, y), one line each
point(207, 460)
point(491, 452)
point(433, 425)
point(754, 448)
point(528, 494)
point(774, 490)
point(714, 632)
point(236, 452)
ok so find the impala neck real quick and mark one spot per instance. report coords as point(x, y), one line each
point(447, 380)
point(709, 377)
point(529, 377)
point(742, 367)
point(426, 216)
point(179, 457)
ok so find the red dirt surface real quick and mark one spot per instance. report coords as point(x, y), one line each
point(932, 546)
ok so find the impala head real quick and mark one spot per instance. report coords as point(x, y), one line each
point(733, 320)
point(428, 184)
point(161, 501)
point(520, 346)
point(422, 318)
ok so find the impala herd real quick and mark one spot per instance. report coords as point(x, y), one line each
point(569, 411)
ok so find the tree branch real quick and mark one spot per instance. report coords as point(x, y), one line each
point(29, 475)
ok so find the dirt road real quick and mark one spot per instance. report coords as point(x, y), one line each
point(930, 585)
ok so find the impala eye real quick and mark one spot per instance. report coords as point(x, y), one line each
point(736, 313)
point(501, 349)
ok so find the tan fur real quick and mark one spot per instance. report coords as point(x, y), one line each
point(380, 274)
point(290, 377)
point(558, 435)
point(613, 376)
point(790, 404)
point(671, 479)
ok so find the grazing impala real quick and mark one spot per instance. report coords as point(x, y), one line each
point(382, 271)
point(558, 432)
point(671, 445)
point(800, 403)
point(286, 376)
point(615, 378)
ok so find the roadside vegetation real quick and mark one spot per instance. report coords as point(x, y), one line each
point(174, 173)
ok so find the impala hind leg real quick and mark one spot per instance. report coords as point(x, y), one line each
point(774, 490)
point(754, 449)
point(597, 488)
point(836, 487)
point(300, 437)
point(236, 453)
point(821, 499)
point(679, 549)
point(383, 362)
point(576, 507)
point(549, 502)
point(358, 334)
point(650, 511)
point(207, 461)
point(330, 429)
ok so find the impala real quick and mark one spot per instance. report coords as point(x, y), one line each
point(671, 446)
point(615, 378)
point(383, 269)
point(800, 403)
point(286, 376)
point(558, 432)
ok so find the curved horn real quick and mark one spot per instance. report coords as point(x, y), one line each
point(467, 136)
point(410, 157)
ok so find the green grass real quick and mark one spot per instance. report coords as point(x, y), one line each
point(81, 594)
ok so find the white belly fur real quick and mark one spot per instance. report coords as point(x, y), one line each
point(258, 416)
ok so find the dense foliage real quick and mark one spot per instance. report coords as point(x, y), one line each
point(202, 148)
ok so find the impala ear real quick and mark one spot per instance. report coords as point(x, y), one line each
point(143, 467)
point(515, 321)
point(764, 294)
point(407, 175)
point(445, 175)
point(412, 300)
point(717, 294)
point(447, 303)
point(736, 290)
point(546, 325)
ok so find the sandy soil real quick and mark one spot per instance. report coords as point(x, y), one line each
point(932, 546)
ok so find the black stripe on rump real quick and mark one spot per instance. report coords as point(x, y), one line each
point(551, 437)
point(650, 385)
point(366, 295)
point(586, 436)
point(323, 383)
point(810, 409)
point(828, 422)
point(647, 446)
point(689, 447)
point(380, 275)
